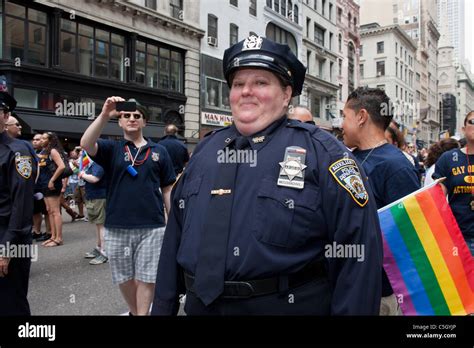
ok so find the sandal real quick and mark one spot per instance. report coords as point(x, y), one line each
point(47, 241)
point(54, 243)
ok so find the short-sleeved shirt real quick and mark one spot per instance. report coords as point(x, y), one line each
point(391, 176)
point(454, 166)
point(177, 151)
point(134, 201)
point(96, 190)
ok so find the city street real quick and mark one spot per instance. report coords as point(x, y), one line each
point(63, 283)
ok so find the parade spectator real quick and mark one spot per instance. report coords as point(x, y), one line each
point(17, 180)
point(301, 114)
point(39, 206)
point(136, 169)
point(457, 166)
point(176, 149)
point(51, 167)
point(95, 188)
point(391, 175)
point(243, 236)
point(434, 153)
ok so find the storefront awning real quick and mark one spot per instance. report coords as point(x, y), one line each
point(75, 126)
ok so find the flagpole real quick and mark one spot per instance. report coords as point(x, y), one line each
point(80, 161)
point(437, 181)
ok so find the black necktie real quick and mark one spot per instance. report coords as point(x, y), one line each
point(210, 268)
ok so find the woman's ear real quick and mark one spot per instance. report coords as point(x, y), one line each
point(287, 91)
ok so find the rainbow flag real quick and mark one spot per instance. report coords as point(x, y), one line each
point(85, 160)
point(425, 255)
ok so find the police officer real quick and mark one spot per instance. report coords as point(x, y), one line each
point(266, 213)
point(17, 179)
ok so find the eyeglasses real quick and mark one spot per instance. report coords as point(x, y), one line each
point(14, 124)
point(136, 116)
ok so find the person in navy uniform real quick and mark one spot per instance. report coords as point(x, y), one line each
point(17, 180)
point(176, 149)
point(266, 213)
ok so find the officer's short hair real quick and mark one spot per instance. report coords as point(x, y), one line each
point(375, 101)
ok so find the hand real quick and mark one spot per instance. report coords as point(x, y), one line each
point(108, 110)
point(4, 266)
point(81, 174)
point(51, 185)
point(63, 189)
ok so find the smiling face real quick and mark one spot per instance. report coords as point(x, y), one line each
point(468, 129)
point(257, 99)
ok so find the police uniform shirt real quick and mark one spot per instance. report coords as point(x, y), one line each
point(17, 179)
point(134, 201)
point(276, 229)
point(454, 166)
point(177, 151)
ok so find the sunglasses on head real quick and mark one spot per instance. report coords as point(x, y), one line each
point(127, 115)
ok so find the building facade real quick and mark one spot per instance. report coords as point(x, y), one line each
point(320, 45)
point(451, 24)
point(388, 62)
point(63, 59)
point(348, 50)
point(465, 94)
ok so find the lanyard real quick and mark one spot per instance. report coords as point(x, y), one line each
point(134, 159)
point(468, 173)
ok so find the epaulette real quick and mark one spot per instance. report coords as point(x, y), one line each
point(215, 131)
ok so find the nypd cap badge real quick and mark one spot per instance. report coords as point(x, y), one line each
point(347, 174)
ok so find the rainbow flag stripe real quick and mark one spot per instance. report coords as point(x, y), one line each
point(425, 255)
point(85, 160)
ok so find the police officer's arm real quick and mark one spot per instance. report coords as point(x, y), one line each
point(21, 193)
point(169, 286)
point(93, 132)
point(356, 279)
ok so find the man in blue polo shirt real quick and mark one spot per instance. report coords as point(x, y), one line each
point(136, 168)
point(391, 176)
point(176, 149)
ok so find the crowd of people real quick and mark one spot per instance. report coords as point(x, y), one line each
point(234, 238)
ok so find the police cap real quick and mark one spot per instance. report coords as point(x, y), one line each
point(7, 102)
point(259, 52)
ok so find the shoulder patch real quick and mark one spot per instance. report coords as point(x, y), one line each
point(347, 174)
point(24, 165)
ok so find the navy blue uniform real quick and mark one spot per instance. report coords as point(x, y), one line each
point(17, 180)
point(138, 202)
point(177, 151)
point(391, 177)
point(275, 230)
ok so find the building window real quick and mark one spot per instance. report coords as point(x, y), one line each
point(158, 67)
point(234, 3)
point(283, 8)
point(349, 20)
point(282, 36)
point(396, 91)
point(176, 7)
point(25, 34)
point(295, 14)
point(253, 7)
point(308, 61)
point(319, 35)
point(212, 28)
point(339, 14)
point(316, 107)
point(380, 47)
point(269, 3)
point(330, 41)
point(308, 26)
point(276, 5)
point(351, 67)
point(361, 50)
point(90, 51)
point(381, 68)
point(382, 87)
point(396, 69)
point(340, 92)
point(330, 11)
point(355, 23)
point(323, 8)
point(340, 67)
point(339, 41)
point(234, 34)
point(396, 47)
point(361, 68)
point(150, 4)
point(331, 67)
point(217, 93)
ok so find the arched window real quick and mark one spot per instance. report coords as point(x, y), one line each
point(280, 35)
point(295, 14)
point(349, 16)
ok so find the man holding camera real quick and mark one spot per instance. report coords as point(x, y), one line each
point(136, 169)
